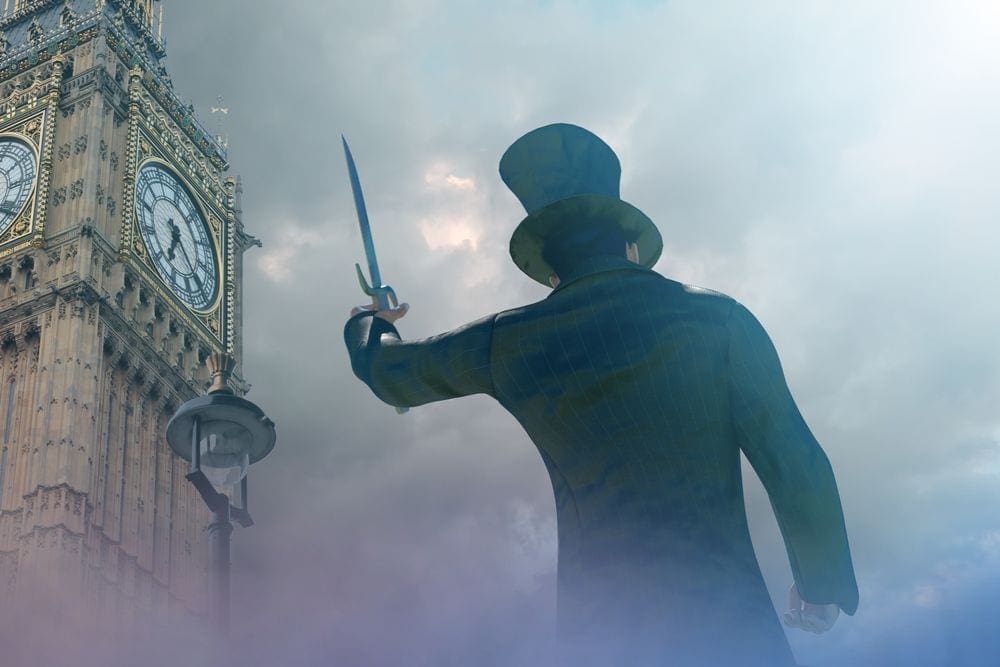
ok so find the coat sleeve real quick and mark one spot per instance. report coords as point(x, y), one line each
point(408, 373)
point(792, 466)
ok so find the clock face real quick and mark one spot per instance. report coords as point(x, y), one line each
point(17, 179)
point(176, 236)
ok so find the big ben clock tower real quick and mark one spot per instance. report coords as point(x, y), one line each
point(120, 272)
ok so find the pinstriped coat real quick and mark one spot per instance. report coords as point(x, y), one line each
point(640, 393)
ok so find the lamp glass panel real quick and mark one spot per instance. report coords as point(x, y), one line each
point(225, 453)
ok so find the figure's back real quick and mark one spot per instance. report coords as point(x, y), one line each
point(621, 379)
point(640, 393)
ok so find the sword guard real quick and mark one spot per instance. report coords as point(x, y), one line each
point(365, 287)
point(383, 295)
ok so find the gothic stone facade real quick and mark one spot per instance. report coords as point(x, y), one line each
point(96, 349)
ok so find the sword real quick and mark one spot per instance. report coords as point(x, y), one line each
point(382, 295)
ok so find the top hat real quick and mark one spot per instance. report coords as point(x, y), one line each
point(561, 173)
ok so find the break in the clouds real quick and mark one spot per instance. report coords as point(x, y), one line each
point(830, 165)
point(457, 215)
point(282, 256)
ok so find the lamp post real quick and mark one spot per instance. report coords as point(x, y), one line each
point(221, 434)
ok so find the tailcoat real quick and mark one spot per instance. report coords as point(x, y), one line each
point(640, 393)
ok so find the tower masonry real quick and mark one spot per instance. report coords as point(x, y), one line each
point(121, 250)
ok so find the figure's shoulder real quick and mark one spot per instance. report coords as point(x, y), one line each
point(702, 298)
point(724, 310)
point(518, 313)
point(709, 297)
point(676, 297)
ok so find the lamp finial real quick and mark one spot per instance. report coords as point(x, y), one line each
point(221, 366)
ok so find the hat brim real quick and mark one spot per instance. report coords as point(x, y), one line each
point(529, 237)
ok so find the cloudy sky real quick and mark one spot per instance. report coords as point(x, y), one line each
point(832, 165)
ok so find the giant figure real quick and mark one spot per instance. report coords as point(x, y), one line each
point(639, 393)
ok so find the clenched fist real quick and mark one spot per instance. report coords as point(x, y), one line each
point(389, 315)
point(815, 618)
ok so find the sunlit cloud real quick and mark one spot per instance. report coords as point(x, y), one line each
point(439, 175)
point(450, 232)
point(460, 183)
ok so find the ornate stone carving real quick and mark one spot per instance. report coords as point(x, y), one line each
point(138, 333)
point(35, 32)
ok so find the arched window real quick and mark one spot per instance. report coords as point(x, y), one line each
point(35, 32)
point(27, 267)
point(68, 14)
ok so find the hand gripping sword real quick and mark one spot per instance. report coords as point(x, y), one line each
point(382, 295)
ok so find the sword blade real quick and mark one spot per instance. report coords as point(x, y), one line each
point(366, 230)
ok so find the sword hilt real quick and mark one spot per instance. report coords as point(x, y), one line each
point(381, 298)
point(382, 295)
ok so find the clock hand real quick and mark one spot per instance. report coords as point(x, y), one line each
point(175, 238)
point(175, 241)
point(186, 258)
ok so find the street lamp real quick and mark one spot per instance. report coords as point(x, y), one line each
point(221, 434)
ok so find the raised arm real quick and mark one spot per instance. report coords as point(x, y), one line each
point(408, 373)
point(791, 465)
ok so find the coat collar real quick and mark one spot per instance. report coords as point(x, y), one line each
point(594, 265)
